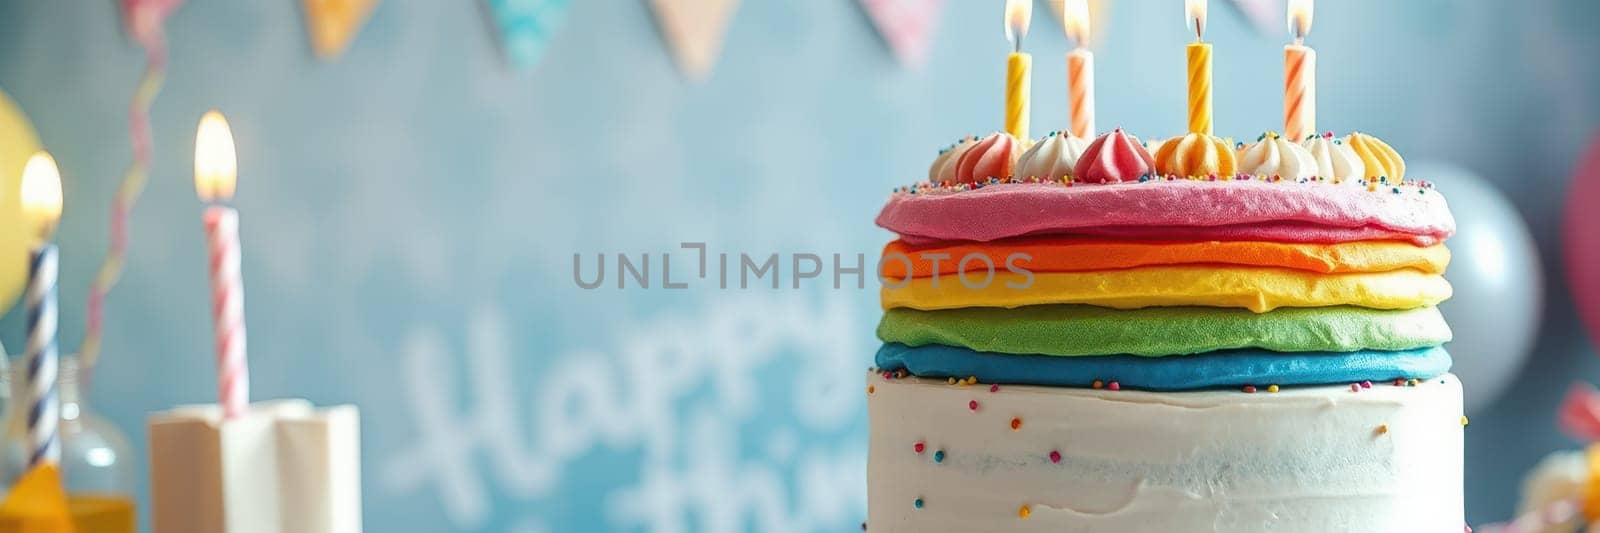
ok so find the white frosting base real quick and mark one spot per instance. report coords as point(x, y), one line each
point(1304, 459)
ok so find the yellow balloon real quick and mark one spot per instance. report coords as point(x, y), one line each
point(17, 143)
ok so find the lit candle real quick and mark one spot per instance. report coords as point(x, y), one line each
point(1080, 68)
point(1018, 68)
point(215, 173)
point(1299, 76)
point(1199, 54)
point(41, 206)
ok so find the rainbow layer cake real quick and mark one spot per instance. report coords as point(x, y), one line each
point(1190, 335)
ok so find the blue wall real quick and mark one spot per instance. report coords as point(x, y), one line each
point(410, 213)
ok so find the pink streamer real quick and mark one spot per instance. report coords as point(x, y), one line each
point(144, 22)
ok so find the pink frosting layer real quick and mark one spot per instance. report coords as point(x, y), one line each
point(1220, 210)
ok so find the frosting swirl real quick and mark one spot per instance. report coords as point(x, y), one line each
point(1380, 159)
point(1052, 158)
point(1274, 155)
point(1335, 160)
point(993, 157)
point(1196, 155)
point(944, 166)
point(1112, 158)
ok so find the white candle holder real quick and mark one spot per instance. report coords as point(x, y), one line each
point(281, 467)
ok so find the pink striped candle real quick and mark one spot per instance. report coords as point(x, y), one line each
point(215, 173)
point(227, 308)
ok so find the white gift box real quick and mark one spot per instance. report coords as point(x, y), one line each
point(283, 467)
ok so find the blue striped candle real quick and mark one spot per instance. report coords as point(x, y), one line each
point(44, 408)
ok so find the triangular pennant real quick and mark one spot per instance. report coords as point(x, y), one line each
point(37, 504)
point(1266, 15)
point(526, 26)
point(694, 30)
point(907, 25)
point(332, 24)
point(1099, 17)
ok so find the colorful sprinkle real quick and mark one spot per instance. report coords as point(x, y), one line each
point(871, 389)
point(1399, 382)
point(1355, 387)
point(917, 503)
point(1463, 420)
point(1114, 386)
point(1250, 389)
point(1016, 424)
point(1272, 388)
point(1366, 384)
point(1055, 456)
point(1383, 428)
point(972, 405)
point(918, 447)
point(1023, 512)
point(938, 456)
point(994, 388)
point(950, 381)
point(1414, 382)
point(1098, 384)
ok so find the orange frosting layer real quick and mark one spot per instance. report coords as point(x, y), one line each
point(1077, 254)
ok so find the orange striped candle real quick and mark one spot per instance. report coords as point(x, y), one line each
point(1080, 68)
point(1199, 60)
point(1299, 76)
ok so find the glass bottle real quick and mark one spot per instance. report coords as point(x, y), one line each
point(96, 460)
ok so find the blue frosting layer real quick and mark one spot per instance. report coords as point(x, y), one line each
point(1229, 368)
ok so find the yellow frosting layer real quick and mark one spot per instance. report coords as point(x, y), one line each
point(1256, 289)
point(1196, 155)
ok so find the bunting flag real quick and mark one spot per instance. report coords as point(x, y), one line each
point(332, 24)
point(906, 25)
point(694, 30)
point(526, 27)
point(1268, 16)
point(1099, 18)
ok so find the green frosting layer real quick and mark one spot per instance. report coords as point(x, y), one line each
point(1078, 330)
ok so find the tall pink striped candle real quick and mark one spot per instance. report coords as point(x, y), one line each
point(215, 173)
point(1080, 68)
point(227, 309)
point(1299, 76)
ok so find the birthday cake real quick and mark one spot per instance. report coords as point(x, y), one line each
point(1189, 335)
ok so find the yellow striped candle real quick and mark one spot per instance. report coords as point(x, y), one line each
point(1080, 68)
point(1299, 76)
point(1199, 60)
point(1019, 67)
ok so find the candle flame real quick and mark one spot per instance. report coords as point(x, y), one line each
point(1195, 17)
point(41, 193)
point(1299, 18)
point(215, 165)
point(1075, 20)
point(1018, 13)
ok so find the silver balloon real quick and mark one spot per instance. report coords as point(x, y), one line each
point(1499, 285)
